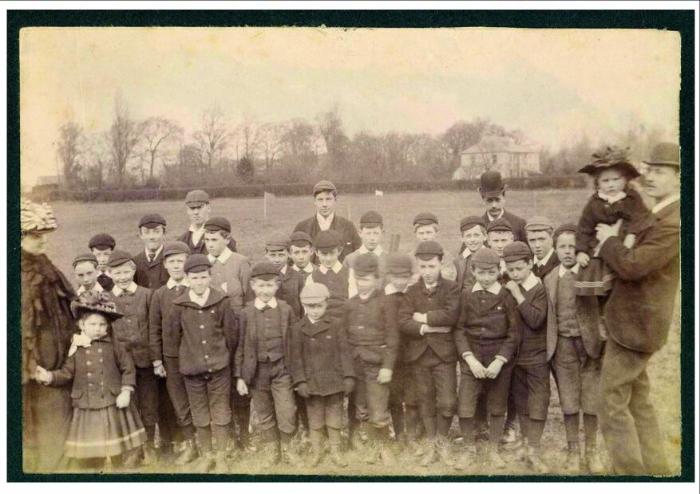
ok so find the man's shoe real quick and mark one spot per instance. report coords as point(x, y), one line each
point(573, 461)
point(466, 458)
point(593, 463)
point(534, 461)
point(187, 454)
point(430, 456)
point(206, 462)
point(337, 458)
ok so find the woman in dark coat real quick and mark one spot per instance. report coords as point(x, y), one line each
point(47, 328)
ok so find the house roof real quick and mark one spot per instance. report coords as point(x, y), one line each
point(48, 180)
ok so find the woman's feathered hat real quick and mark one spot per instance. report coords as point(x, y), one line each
point(610, 157)
point(36, 218)
point(92, 301)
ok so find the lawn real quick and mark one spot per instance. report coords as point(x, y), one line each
point(78, 222)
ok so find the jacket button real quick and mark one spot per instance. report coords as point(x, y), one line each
point(87, 363)
point(200, 311)
point(201, 326)
point(204, 342)
point(206, 356)
point(99, 350)
point(89, 374)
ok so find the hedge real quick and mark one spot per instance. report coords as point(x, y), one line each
point(256, 190)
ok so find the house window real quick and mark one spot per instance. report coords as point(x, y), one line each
point(494, 158)
point(473, 159)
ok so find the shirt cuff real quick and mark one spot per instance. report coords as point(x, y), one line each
point(501, 358)
point(423, 318)
point(130, 389)
point(465, 355)
point(157, 363)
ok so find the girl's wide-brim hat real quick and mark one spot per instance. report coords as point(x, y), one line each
point(36, 218)
point(610, 157)
point(95, 302)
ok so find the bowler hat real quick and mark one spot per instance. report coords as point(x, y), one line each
point(485, 257)
point(469, 222)
point(265, 270)
point(399, 264)
point(429, 249)
point(491, 184)
point(217, 224)
point(314, 293)
point(538, 224)
point(665, 153)
point(197, 263)
point(87, 257)
point(516, 251)
point(196, 198)
point(425, 219)
point(324, 186)
point(366, 264)
point(117, 258)
point(371, 219)
point(327, 239)
point(299, 239)
point(499, 225)
point(152, 220)
point(102, 241)
point(175, 247)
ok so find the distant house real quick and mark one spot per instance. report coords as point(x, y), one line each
point(499, 153)
point(45, 185)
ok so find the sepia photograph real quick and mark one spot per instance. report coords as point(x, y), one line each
point(351, 251)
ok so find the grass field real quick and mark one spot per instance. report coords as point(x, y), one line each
point(78, 222)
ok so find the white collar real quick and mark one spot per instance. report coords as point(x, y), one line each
point(502, 266)
point(431, 286)
point(612, 199)
point(325, 223)
point(197, 230)
point(116, 291)
point(260, 305)
point(96, 288)
point(544, 260)
point(495, 288)
point(530, 282)
point(172, 283)
point(563, 270)
point(307, 269)
point(466, 253)
point(662, 204)
point(378, 251)
point(199, 300)
point(223, 257)
point(491, 218)
point(312, 320)
point(336, 268)
point(283, 270)
point(155, 255)
point(197, 234)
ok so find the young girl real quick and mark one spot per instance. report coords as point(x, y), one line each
point(105, 423)
point(613, 201)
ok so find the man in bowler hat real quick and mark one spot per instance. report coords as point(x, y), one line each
point(493, 193)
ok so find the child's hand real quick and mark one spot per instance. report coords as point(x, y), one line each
point(475, 366)
point(384, 376)
point(582, 259)
point(124, 398)
point(42, 376)
point(303, 390)
point(158, 369)
point(494, 369)
point(241, 387)
point(629, 240)
point(513, 288)
point(348, 386)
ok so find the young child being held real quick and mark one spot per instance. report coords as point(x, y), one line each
point(105, 422)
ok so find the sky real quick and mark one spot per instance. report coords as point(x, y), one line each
point(554, 85)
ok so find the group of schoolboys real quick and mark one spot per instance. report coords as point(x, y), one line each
point(331, 316)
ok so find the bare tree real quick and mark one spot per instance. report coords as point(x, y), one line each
point(157, 133)
point(247, 138)
point(213, 137)
point(462, 135)
point(123, 138)
point(269, 139)
point(70, 149)
point(99, 157)
point(330, 125)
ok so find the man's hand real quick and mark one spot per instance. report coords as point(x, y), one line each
point(582, 259)
point(158, 369)
point(475, 366)
point(604, 232)
point(630, 238)
point(384, 376)
point(241, 387)
point(124, 398)
point(303, 390)
point(420, 317)
point(42, 376)
point(494, 369)
point(348, 385)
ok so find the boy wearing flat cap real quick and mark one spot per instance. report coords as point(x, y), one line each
point(134, 301)
point(427, 316)
point(262, 367)
point(206, 332)
point(150, 272)
point(85, 270)
point(301, 251)
point(574, 351)
point(331, 272)
point(371, 233)
point(101, 246)
point(539, 232)
point(500, 234)
point(530, 380)
point(426, 228)
point(164, 353)
point(291, 281)
point(322, 371)
point(373, 336)
point(326, 219)
point(487, 336)
point(473, 231)
point(230, 271)
point(198, 210)
point(493, 194)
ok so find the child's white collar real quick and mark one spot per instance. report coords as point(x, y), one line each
point(378, 251)
point(223, 257)
point(530, 282)
point(495, 288)
point(96, 288)
point(336, 268)
point(260, 305)
point(116, 291)
point(612, 198)
point(200, 299)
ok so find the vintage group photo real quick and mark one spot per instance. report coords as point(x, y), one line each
point(357, 252)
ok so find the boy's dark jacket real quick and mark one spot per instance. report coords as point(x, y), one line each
point(319, 355)
point(346, 229)
point(516, 222)
point(98, 374)
point(132, 329)
point(211, 330)
point(246, 357)
point(151, 275)
point(160, 333)
point(442, 309)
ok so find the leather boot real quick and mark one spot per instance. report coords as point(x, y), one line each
point(316, 438)
point(494, 458)
point(287, 454)
point(220, 462)
point(573, 459)
point(336, 455)
point(149, 454)
point(534, 461)
point(270, 449)
point(386, 453)
point(187, 454)
point(466, 460)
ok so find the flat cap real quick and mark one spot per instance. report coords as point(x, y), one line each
point(216, 224)
point(277, 241)
point(500, 225)
point(425, 219)
point(175, 247)
point(265, 270)
point(516, 252)
point(469, 222)
point(118, 257)
point(371, 219)
point(538, 224)
point(324, 186)
point(88, 257)
point(428, 249)
point(102, 241)
point(152, 220)
point(299, 239)
point(328, 239)
point(314, 293)
point(196, 198)
point(666, 154)
point(399, 264)
point(566, 228)
point(491, 184)
point(197, 263)
point(485, 257)
point(365, 264)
